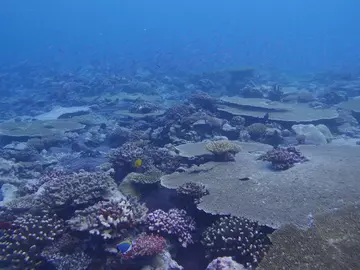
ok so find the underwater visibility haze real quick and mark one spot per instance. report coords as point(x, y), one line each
point(179, 135)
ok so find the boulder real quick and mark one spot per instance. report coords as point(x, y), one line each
point(313, 134)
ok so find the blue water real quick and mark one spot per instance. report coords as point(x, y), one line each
point(282, 35)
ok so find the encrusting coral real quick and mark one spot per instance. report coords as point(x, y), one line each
point(174, 222)
point(22, 243)
point(224, 150)
point(237, 237)
point(109, 219)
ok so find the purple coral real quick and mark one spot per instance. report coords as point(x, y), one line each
point(175, 222)
point(283, 158)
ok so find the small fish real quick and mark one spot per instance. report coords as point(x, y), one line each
point(138, 163)
point(124, 247)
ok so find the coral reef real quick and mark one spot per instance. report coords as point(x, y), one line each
point(256, 130)
point(237, 237)
point(283, 158)
point(203, 100)
point(77, 188)
point(73, 261)
point(109, 219)
point(123, 158)
point(224, 263)
point(65, 170)
point(145, 245)
point(22, 243)
point(174, 222)
point(223, 150)
point(331, 242)
point(192, 190)
point(150, 177)
point(143, 107)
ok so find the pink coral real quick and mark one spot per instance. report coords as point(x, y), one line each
point(146, 245)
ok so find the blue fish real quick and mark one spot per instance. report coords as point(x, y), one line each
point(124, 247)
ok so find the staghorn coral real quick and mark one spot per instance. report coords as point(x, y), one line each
point(236, 237)
point(192, 190)
point(21, 245)
point(145, 245)
point(174, 222)
point(223, 150)
point(283, 158)
point(76, 189)
point(109, 219)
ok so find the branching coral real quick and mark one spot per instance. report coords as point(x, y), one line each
point(73, 261)
point(66, 254)
point(109, 219)
point(175, 222)
point(21, 245)
point(223, 150)
point(146, 245)
point(124, 157)
point(283, 158)
point(33, 186)
point(192, 190)
point(237, 237)
point(77, 188)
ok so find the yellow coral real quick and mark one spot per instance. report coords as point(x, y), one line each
point(223, 146)
point(150, 177)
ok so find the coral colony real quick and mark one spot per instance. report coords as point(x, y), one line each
point(175, 222)
point(156, 171)
point(283, 158)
